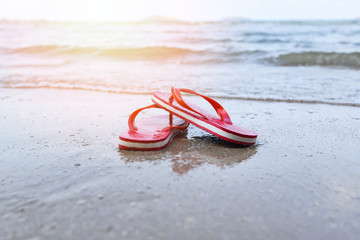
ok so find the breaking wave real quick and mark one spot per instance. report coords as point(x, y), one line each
point(150, 53)
point(351, 60)
point(146, 53)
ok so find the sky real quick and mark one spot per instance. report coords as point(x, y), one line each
point(192, 10)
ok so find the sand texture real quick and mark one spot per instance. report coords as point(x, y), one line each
point(63, 177)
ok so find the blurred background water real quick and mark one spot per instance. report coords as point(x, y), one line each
point(316, 61)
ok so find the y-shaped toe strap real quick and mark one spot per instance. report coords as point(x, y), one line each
point(131, 121)
point(176, 94)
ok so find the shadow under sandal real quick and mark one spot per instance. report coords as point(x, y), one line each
point(151, 133)
point(221, 125)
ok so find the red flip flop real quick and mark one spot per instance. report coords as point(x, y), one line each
point(151, 133)
point(220, 126)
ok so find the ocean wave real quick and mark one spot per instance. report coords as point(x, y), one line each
point(241, 53)
point(145, 53)
point(350, 60)
point(200, 40)
point(271, 40)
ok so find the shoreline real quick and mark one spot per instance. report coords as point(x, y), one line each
point(300, 101)
point(63, 177)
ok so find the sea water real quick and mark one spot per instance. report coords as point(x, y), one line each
point(309, 61)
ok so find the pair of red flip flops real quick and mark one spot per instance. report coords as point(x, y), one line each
point(155, 133)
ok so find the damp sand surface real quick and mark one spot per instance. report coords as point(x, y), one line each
point(63, 177)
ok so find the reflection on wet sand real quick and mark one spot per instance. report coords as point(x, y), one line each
point(189, 152)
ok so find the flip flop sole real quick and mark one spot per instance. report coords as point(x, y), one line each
point(204, 125)
point(148, 145)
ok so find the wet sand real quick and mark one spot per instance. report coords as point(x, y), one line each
point(63, 177)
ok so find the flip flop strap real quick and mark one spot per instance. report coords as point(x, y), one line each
point(176, 93)
point(131, 121)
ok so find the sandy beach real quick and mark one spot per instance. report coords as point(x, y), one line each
point(63, 177)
